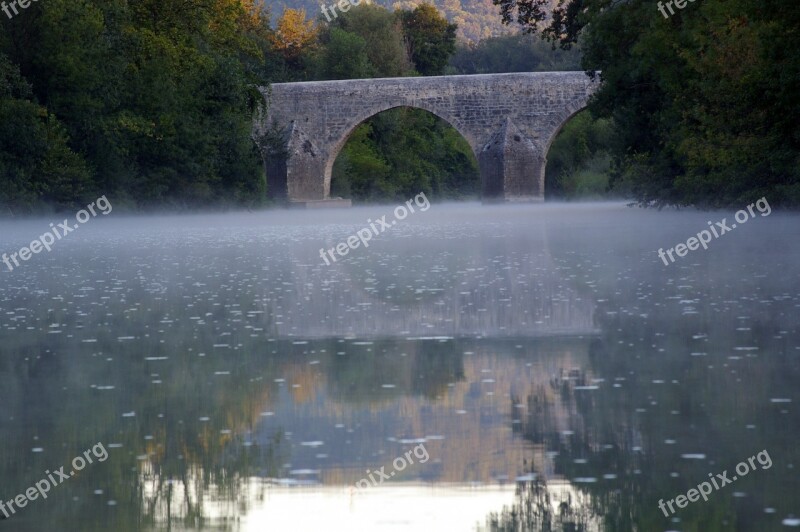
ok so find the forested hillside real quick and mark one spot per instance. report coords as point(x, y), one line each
point(476, 19)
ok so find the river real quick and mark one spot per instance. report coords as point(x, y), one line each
point(529, 365)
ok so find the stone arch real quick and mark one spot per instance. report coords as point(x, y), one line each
point(339, 143)
point(565, 116)
point(569, 112)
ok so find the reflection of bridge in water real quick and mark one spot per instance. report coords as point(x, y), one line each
point(520, 293)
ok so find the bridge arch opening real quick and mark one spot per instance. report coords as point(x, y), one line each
point(398, 153)
point(578, 158)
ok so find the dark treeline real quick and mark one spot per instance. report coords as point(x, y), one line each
point(512, 53)
point(151, 103)
point(704, 103)
point(148, 102)
point(367, 41)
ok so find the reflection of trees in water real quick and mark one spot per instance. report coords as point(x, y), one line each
point(426, 369)
point(580, 434)
point(552, 408)
point(178, 491)
point(551, 419)
point(538, 506)
point(165, 466)
point(621, 447)
point(436, 365)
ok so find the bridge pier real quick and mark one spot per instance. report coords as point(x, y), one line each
point(292, 162)
point(511, 167)
point(509, 121)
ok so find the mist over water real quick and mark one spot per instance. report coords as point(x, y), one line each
point(237, 380)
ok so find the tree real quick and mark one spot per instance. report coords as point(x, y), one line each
point(578, 161)
point(403, 151)
point(345, 56)
point(36, 162)
point(148, 102)
point(705, 99)
point(430, 39)
point(294, 34)
point(383, 33)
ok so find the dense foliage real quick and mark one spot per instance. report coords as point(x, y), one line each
point(706, 101)
point(384, 53)
point(150, 102)
point(511, 53)
point(402, 152)
point(476, 19)
point(579, 161)
point(430, 39)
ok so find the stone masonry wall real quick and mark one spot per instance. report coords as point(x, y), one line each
point(316, 118)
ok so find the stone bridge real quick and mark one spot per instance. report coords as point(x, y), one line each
point(509, 121)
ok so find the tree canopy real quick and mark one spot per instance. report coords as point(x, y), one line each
point(430, 39)
point(151, 101)
point(511, 53)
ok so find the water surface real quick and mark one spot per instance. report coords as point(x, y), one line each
point(554, 369)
